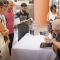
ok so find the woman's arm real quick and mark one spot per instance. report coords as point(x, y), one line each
point(48, 17)
point(6, 32)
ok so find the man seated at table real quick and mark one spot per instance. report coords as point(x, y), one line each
point(56, 40)
point(23, 15)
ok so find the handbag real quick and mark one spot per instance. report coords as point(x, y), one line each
point(5, 38)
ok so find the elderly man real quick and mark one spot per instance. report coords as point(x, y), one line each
point(56, 40)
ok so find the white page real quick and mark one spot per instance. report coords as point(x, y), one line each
point(17, 21)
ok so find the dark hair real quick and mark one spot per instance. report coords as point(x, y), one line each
point(6, 2)
point(1, 3)
point(52, 7)
point(23, 4)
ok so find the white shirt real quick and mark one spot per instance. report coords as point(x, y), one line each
point(52, 16)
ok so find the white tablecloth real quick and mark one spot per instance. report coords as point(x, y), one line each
point(28, 49)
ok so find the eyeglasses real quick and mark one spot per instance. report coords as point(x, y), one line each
point(56, 31)
point(4, 6)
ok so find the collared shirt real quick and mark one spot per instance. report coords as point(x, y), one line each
point(23, 27)
point(9, 21)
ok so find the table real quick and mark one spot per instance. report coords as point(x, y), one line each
point(28, 49)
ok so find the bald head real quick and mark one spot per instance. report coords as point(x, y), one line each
point(56, 23)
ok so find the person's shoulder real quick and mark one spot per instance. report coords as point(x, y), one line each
point(26, 13)
point(5, 13)
point(18, 13)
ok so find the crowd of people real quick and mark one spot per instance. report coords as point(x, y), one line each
point(53, 18)
point(7, 20)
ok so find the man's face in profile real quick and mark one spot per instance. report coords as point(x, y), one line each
point(55, 30)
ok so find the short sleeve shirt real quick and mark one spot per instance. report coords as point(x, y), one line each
point(9, 21)
point(23, 27)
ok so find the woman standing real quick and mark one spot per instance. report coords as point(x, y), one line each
point(4, 51)
point(52, 15)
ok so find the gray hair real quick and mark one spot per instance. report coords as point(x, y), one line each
point(57, 24)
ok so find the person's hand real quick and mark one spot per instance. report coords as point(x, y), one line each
point(56, 17)
point(16, 25)
point(53, 40)
point(47, 39)
point(6, 32)
point(24, 20)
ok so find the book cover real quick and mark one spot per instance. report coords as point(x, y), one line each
point(2, 29)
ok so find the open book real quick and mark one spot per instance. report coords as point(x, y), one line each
point(45, 44)
point(29, 20)
point(2, 29)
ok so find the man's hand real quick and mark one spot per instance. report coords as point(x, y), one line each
point(53, 40)
point(16, 25)
point(47, 39)
point(24, 20)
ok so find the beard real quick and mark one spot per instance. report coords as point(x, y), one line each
point(23, 11)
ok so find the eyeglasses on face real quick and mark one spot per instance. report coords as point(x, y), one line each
point(56, 30)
